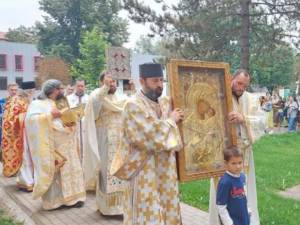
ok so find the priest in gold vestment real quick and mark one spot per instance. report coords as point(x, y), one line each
point(146, 156)
point(57, 170)
point(102, 125)
point(238, 117)
point(12, 133)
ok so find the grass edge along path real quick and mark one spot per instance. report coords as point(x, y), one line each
point(277, 164)
point(6, 220)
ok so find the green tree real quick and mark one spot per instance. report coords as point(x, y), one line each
point(217, 30)
point(92, 58)
point(275, 68)
point(297, 70)
point(23, 34)
point(145, 45)
point(214, 31)
point(68, 20)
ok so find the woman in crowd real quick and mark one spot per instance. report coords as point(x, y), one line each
point(292, 110)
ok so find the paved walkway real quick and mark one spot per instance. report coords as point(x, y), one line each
point(24, 208)
point(293, 192)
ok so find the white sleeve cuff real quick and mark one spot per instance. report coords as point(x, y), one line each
point(171, 122)
point(224, 215)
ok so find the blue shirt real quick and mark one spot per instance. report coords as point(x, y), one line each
point(231, 193)
point(2, 104)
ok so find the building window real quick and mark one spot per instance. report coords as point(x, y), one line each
point(19, 81)
point(2, 62)
point(36, 62)
point(3, 83)
point(19, 62)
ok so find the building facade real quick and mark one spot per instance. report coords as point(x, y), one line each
point(135, 61)
point(18, 63)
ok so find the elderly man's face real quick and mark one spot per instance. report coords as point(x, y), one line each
point(69, 90)
point(12, 90)
point(80, 87)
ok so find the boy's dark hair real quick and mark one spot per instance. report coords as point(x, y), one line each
point(232, 151)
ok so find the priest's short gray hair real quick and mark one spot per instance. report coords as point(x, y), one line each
point(48, 87)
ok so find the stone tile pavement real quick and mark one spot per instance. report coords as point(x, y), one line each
point(293, 192)
point(24, 208)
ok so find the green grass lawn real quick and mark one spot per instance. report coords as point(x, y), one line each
point(277, 162)
point(5, 220)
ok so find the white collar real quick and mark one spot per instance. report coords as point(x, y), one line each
point(233, 175)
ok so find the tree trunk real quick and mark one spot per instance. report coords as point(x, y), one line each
point(245, 34)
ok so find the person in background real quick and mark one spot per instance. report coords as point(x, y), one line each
point(12, 137)
point(292, 111)
point(12, 91)
point(279, 106)
point(268, 108)
point(78, 98)
point(25, 179)
point(69, 90)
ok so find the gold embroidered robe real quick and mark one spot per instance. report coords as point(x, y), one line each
point(146, 158)
point(12, 135)
point(103, 122)
point(50, 142)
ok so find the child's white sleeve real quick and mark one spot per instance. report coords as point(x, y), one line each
point(224, 215)
point(248, 207)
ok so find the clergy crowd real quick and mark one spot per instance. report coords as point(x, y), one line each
point(122, 147)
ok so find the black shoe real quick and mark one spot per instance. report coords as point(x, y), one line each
point(78, 204)
point(24, 190)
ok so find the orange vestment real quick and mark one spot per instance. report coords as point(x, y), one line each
point(12, 134)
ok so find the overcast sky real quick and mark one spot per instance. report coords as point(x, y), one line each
point(14, 13)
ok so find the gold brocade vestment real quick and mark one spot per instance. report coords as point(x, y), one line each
point(12, 134)
point(146, 158)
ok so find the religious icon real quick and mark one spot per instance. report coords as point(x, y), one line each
point(118, 62)
point(202, 90)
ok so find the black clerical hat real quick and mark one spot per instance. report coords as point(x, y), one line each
point(28, 85)
point(151, 70)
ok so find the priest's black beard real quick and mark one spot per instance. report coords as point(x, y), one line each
point(152, 94)
point(112, 91)
point(60, 96)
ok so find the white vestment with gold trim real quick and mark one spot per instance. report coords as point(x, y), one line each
point(103, 121)
point(50, 142)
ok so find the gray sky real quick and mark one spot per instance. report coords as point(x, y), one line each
point(14, 13)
